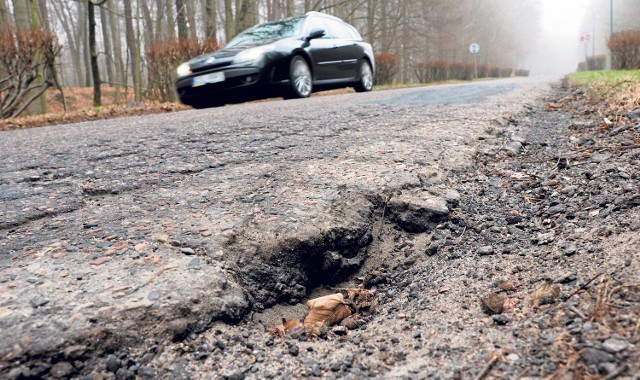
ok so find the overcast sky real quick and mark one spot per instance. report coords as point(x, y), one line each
point(557, 50)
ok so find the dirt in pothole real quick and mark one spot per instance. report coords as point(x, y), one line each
point(533, 274)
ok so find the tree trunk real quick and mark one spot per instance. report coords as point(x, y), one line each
point(120, 74)
point(290, 8)
point(106, 38)
point(229, 29)
point(39, 107)
point(181, 11)
point(43, 12)
point(150, 35)
point(4, 15)
point(93, 51)
point(133, 50)
point(171, 21)
point(211, 24)
point(74, 50)
point(191, 18)
point(21, 14)
point(86, 56)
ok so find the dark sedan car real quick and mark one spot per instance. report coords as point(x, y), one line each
point(291, 58)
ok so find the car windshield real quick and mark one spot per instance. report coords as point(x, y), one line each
point(267, 33)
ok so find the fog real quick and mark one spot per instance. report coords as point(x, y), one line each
point(556, 48)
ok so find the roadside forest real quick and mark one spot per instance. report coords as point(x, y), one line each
point(131, 47)
point(127, 50)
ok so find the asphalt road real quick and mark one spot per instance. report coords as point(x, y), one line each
point(125, 229)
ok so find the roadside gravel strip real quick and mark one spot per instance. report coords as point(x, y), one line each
point(123, 242)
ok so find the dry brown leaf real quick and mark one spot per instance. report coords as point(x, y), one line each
point(544, 295)
point(362, 299)
point(328, 310)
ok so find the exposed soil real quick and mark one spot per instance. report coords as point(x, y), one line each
point(523, 266)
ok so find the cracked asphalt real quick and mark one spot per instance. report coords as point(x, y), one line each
point(112, 232)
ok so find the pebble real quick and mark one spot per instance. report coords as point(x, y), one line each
point(485, 250)
point(339, 330)
point(194, 263)
point(113, 363)
point(61, 370)
point(104, 244)
point(38, 302)
point(614, 345)
point(501, 319)
point(187, 251)
point(595, 356)
point(153, 295)
point(294, 350)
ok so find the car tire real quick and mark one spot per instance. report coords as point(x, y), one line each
point(300, 78)
point(202, 104)
point(365, 77)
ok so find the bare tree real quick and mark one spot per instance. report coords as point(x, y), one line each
point(134, 53)
point(25, 55)
point(93, 51)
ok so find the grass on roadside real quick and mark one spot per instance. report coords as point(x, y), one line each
point(617, 91)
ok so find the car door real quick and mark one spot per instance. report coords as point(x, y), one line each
point(323, 51)
point(346, 50)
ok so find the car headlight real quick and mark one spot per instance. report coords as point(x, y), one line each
point(184, 70)
point(253, 54)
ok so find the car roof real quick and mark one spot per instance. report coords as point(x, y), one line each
point(320, 14)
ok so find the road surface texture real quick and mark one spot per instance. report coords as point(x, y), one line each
point(165, 246)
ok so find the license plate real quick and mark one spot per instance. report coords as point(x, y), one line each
point(206, 79)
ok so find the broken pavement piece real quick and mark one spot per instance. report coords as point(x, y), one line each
point(415, 210)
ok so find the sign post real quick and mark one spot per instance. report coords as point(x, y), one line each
point(585, 38)
point(474, 48)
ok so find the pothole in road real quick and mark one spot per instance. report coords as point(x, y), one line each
point(282, 265)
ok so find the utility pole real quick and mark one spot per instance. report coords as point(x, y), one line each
point(611, 33)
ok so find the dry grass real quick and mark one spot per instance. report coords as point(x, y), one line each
point(80, 108)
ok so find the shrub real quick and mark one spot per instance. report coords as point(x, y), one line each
point(505, 73)
point(434, 71)
point(25, 55)
point(386, 67)
point(162, 59)
point(522, 73)
point(596, 62)
point(625, 50)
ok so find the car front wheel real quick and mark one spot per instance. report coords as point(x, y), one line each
point(300, 78)
point(365, 83)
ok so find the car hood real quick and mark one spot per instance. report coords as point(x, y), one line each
point(218, 58)
point(225, 56)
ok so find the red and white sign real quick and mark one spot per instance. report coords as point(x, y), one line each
point(585, 38)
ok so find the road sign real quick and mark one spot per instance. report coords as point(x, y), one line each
point(474, 48)
point(585, 38)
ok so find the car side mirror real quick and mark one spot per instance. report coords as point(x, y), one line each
point(315, 33)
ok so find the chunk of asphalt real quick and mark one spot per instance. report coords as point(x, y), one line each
point(417, 210)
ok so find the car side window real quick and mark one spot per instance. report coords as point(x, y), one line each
point(339, 30)
point(317, 23)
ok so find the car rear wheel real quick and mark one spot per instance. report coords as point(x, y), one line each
point(365, 83)
point(300, 78)
point(203, 103)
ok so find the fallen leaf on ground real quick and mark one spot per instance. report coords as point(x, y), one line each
point(544, 295)
point(328, 310)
